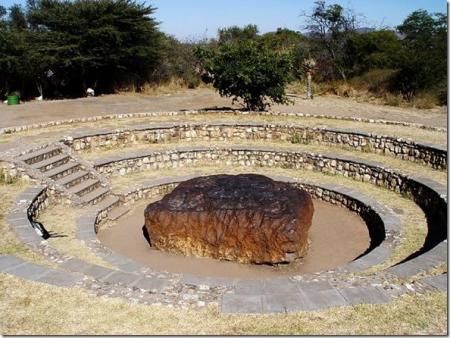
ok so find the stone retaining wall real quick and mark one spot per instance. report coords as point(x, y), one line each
point(299, 293)
point(15, 129)
point(383, 225)
point(432, 155)
point(430, 196)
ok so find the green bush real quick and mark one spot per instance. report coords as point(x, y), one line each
point(301, 139)
point(424, 61)
point(249, 71)
point(192, 81)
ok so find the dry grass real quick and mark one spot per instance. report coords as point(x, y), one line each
point(31, 308)
point(414, 228)
point(371, 88)
point(173, 86)
point(9, 242)
point(406, 167)
point(55, 133)
point(60, 219)
point(436, 271)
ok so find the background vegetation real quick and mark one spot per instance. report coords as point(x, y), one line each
point(58, 48)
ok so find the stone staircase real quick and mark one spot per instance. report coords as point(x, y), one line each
point(58, 167)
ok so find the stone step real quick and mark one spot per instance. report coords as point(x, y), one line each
point(107, 202)
point(95, 195)
point(72, 179)
point(84, 187)
point(63, 170)
point(52, 162)
point(35, 156)
point(117, 212)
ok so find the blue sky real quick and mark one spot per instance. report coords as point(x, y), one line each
point(194, 19)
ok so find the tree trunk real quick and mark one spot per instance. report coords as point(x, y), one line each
point(341, 71)
point(309, 95)
point(40, 89)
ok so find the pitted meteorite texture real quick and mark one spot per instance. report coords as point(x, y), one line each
point(245, 218)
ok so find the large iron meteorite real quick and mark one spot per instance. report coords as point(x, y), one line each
point(245, 218)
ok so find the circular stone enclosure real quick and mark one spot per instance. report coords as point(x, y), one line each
point(338, 236)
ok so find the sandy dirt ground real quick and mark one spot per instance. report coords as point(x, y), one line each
point(35, 111)
point(337, 237)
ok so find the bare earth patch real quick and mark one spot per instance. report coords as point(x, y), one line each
point(36, 111)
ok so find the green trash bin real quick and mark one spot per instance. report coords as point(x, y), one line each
point(13, 99)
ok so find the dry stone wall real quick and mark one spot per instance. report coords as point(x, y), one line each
point(432, 155)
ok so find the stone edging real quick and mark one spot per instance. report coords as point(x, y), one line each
point(262, 297)
point(428, 154)
point(15, 129)
point(282, 294)
point(383, 223)
point(429, 195)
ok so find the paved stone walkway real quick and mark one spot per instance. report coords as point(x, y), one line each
point(23, 269)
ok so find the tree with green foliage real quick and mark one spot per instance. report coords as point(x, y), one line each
point(178, 61)
point(237, 34)
point(72, 45)
point(13, 74)
point(17, 19)
point(423, 65)
point(283, 39)
point(103, 43)
point(330, 28)
point(374, 50)
point(249, 71)
point(286, 40)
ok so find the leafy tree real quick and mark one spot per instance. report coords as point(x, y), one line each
point(104, 43)
point(283, 39)
point(12, 48)
point(286, 40)
point(178, 60)
point(330, 28)
point(17, 18)
point(238, 34)
point(374, 50)
point(249, 71)
point(424, 61)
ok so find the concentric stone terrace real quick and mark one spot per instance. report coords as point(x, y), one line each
point(395, 263)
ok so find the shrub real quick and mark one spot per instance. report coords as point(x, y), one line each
point(377, 81)
point(249, 71)
point(424, 62)
point(393, 100)
point(301, 139)
point(425, 101)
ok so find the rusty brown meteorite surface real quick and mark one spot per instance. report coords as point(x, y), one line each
point(247, 218)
